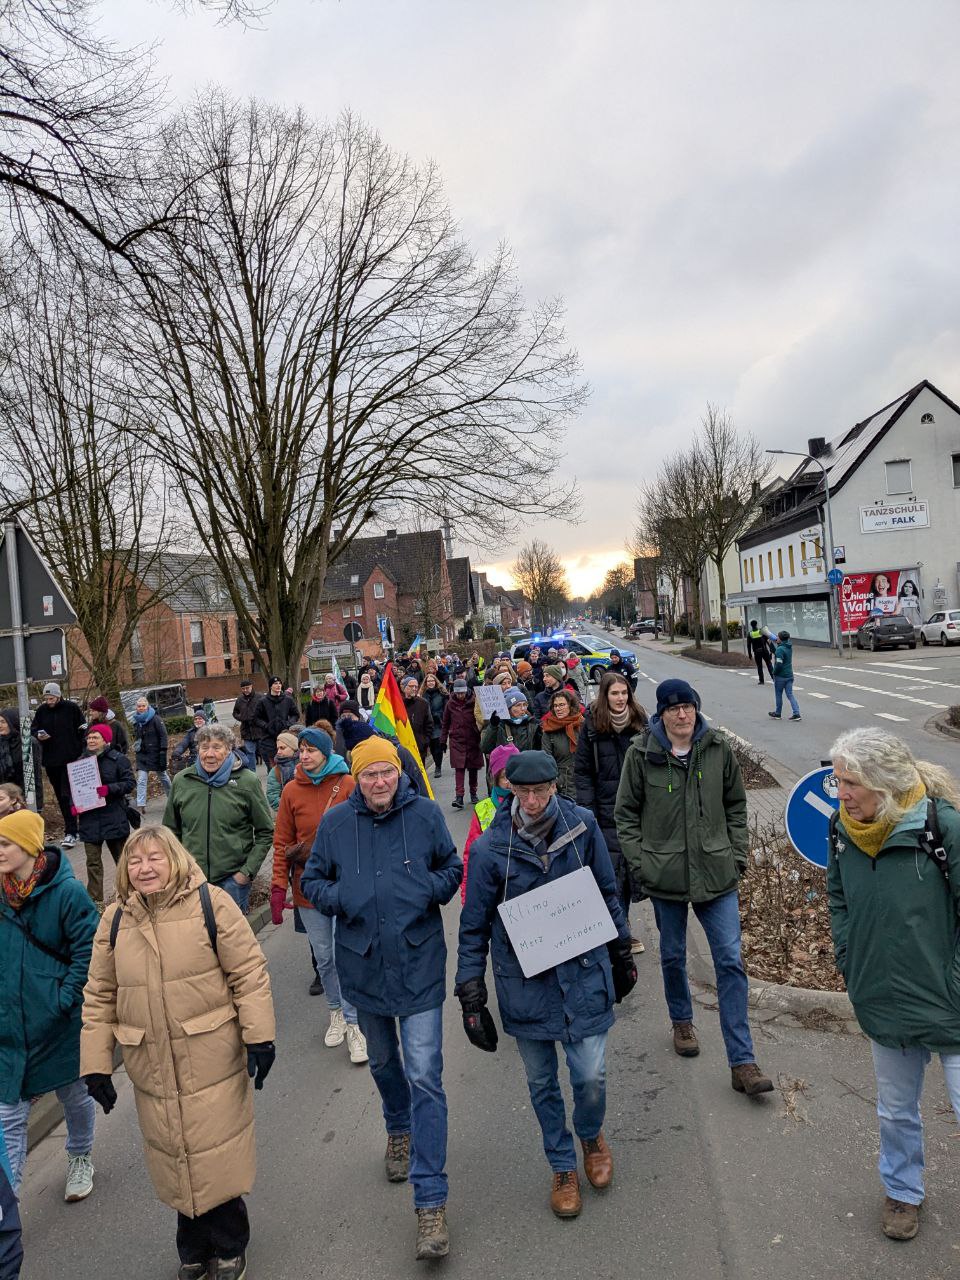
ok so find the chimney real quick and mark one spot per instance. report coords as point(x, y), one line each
point(817, 446)
point(447, 539)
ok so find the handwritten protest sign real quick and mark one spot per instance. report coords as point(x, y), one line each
point(563, 919)
point(84, 777)
point(492, 702)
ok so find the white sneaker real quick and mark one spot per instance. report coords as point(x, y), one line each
point(79, 1178)
point(68, 842)
point(357, 1044)
point(337, 1030)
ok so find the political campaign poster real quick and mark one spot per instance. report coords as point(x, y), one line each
point(889, 591)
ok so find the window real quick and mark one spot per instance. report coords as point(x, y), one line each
point(927, 419)
point(779, 562)
point(956, 470)
point(228, 664)
point(358, 610)
point(346, 611)
point(196, 639)
point(199, 669)
point(803, 556)
point(225, 635)
point(378, 591)
point(770, 564)
point(790, 561)
point(760, 563)
point(898, 476)
point(354, 579)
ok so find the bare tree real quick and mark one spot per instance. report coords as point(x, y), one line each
point(320, 346)
point(538, 573)
point(670, 514)
point(616, 588)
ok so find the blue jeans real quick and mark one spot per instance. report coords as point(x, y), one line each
point(142, 776)
point(586, 1062)
point(781, 686)
point(411, 1090)
point(240, 893)
point(320, 930)
point(79, 1111)
point(721, 923)
point(899, 1085)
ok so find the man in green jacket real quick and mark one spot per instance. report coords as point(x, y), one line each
point(681, 816)
point(218, 810)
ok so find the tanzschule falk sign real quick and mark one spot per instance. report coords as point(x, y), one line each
point(895, 517)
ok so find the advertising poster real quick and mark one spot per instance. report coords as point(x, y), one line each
point(893, 591)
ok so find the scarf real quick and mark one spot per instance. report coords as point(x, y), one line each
point(335, 764)
point(870, 837)
point(499, 794)
point(535, 830)
point(222, 775)
point(619, 719)
point(144, 717)
point(17, 891)
point(570, 723)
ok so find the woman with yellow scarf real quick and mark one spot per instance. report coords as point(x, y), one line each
point(895, 919)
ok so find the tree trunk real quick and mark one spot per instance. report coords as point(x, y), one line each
point(697, 627)
point(724, 634)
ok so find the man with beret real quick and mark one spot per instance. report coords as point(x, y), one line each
point(536, 838)
point(681, 816)
point(383, 864)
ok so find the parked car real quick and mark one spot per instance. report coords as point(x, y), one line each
point(643, 627)
point(941, 628)
point(167, 699)
point(886, 633)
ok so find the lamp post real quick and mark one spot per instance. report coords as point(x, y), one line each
point(793, 453)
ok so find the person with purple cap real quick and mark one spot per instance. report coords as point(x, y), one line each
point(484, 811)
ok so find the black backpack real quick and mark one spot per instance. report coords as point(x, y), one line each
point(931, 840)
point(209, 919)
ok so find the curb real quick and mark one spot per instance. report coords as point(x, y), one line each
point(938, 724)
point(46, 1113)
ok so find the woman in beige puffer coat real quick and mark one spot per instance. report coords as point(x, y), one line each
point(191, 1008)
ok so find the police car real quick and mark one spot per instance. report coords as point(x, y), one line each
point(592, 651)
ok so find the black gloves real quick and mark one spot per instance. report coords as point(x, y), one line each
point(101, 1090)
point(259, 1061)
point(624, 967)
point(478, 1022)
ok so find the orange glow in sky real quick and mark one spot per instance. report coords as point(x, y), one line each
point(584, 571)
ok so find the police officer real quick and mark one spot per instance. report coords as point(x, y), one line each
point(760, 648)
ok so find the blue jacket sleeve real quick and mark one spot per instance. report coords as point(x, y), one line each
point(477, 916)
point(446, 869)
point(598, 857)
point(319, 880)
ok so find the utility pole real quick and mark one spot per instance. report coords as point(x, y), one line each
point(20, 664)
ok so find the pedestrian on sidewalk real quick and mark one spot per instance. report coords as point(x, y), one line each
point(536, 838)
point(249, 726)
point(100, 712)
point(459, 731)
point(110, 824)
point(383, 865)
point(783, 677)
point(434, 693)
point(681, 815)
point(760, 648)
point(58, 727)
point(275, 712)
point(320, 780)
point(47, 923)
point(150, 746)
point(179, 981)
point(893, 878)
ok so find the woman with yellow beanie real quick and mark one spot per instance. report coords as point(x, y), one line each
point(47, 923)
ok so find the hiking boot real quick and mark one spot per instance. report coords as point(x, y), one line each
point(900, 1221)
point(457, 802)
point(193, 1271)
point(636, 947)
point(685, 1042)
point(397, 1158)
point(565, 1194)
point(79, 1178)
point(316, 986)
point(357, 1044)
point(474, 798)
point(337, 1030)
point(433, 1236)
point(597, 1161)
point(749, 1079)
point(229, 1268)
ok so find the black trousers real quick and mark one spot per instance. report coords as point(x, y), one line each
point(57, 773)
point(436, 752)
point(221, 1232)
point(761, 657)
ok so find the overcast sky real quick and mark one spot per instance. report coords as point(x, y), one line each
point(754, 204)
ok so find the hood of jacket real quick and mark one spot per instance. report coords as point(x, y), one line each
point(658, 731)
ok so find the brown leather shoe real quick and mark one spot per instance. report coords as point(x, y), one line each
point(749, 1079)
point(597, 1161)
point(900, 1221)
point(565, 1195)
point(685, 1041)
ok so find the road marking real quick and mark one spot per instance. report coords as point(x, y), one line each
point(904, 666)
point(869, 688)
point(818, 803)
point(854, 706)
point(886, 715)
point(899, 672)
point(824, 696)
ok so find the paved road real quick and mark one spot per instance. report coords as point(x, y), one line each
point(707, 1184)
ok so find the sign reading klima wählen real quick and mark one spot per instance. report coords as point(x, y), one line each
point(559, 921)
point(895, 517)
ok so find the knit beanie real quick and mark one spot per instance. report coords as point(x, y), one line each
point(52, 690)
point(104, 730)
point(355, 731)
point(351, 705)
point(288, 740)
point(501, 676)
point(317, 738)
point(524, 668)
point(556, 671)
point(373, 750)
point(513, 696)
point(672, 692)
point(499, 757)
point(24, 828)
point(100, 704)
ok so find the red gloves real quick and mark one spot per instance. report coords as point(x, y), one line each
point(278, 899)
point(103, 790)
point(74, 810)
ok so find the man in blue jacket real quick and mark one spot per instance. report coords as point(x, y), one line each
point(536, 839)
point(383, 864)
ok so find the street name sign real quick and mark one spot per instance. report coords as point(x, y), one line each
point(810, 806)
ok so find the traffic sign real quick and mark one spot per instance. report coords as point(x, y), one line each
point(810, 806)
point(42, 603)
point(353, 632)
point(835, 577)
point(338, 650)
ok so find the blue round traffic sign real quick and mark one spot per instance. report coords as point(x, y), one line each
point(835, 577)
point(810, 806)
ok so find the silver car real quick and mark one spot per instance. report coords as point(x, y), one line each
point(941, 628)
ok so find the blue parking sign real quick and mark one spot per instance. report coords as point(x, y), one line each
point(812, 803)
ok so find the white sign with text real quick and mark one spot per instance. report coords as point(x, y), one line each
point(895, 517)
point(492, 701)
point(84, 778)
point(557, 922)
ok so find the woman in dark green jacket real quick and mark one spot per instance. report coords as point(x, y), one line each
point(894, 883)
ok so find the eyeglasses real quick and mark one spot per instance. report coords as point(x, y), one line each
point(539, 789)
point(686, 707)
point(379, 775)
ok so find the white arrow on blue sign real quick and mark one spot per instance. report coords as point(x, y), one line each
point(810, 806)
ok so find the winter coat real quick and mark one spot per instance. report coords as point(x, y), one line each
point(783, 661)
point(896, 933)
point(385, 877)
point(112, 821)
point(273, 716)
point(150, 744)
point(321, 709)
point(459, 731)
point(40, 996)
point(11, 749)
point(436, 700)
point(596, 774)
point(245, 714)
point(182, 1015)
point(65, 724)
point(278, 775)
point(577, 680)
point(575, 999)
point(366, 696)
point(625, 669)
point(682, 824)
point(525, 735)
point(227, 829)
point(302, 806)
point(541, 703)
point(187, 749)
point(556, 743)
point(421, 722)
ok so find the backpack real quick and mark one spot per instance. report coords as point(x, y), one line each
point(209, 919)
point(931, 840)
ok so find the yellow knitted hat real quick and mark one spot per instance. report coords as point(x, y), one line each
point(25, 829)
point(372, 751)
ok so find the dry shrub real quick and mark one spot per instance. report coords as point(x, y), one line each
point(953, 717)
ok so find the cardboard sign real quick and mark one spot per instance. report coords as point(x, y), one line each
point(492, 701)
point(84, 777)
point(563, 919)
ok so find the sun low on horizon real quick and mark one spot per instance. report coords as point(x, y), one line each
point(585, 571)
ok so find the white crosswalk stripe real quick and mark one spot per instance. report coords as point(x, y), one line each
point(887, 715)
point(868, 688)
point(824, 696)
point(854, 706)
point(902, 670)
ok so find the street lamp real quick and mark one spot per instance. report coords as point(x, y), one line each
point(793, 453)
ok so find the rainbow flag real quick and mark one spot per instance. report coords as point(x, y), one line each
point(390, 716)
point(414, 649)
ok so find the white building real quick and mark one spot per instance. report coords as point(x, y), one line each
point(894, 482)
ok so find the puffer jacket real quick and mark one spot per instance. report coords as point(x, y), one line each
point(436, 700)
point(150, 744)
point(182, 1014)
point(556, 743)
point(682, 823)
point(273, 716)
point(40, 997)
point(575, 999)
point(227, 829)
point(896, 933)
point(385, 877)
point(112, 821)
point(302, 805)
